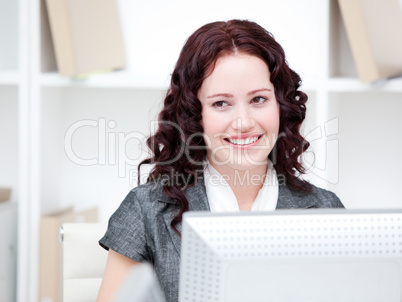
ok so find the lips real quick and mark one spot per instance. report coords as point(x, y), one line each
point(243, 140)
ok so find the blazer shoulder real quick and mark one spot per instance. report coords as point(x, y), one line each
point(290, 198)
point(325, 198)
point(149, 191)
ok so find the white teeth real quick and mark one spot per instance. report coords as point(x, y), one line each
point(246, 141)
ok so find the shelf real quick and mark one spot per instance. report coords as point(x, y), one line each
point(351, 84)
point(160, 82)
point(9, 77)
point(355, 85)
point(116, 79)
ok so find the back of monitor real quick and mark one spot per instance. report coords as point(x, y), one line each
point(323, 256)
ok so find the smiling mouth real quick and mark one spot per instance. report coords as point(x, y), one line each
point(243, 142)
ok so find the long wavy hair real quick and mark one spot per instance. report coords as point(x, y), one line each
point(178, 148)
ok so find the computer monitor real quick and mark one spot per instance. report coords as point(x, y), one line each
point(292, 255)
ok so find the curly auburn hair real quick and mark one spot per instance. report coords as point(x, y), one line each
point(176, 147)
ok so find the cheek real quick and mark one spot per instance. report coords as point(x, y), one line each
point(274, 119)
point(212, 126)
point(211, 123)
point(270, 120)
point(270, 123)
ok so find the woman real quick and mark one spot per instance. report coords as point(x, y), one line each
point(228, 140)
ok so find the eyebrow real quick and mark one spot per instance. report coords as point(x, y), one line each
point(258, 90)
point(229, 95)
point(226, 95)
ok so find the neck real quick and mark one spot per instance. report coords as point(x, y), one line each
point(245, 184)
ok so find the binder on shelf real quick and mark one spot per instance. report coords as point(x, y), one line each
point(5, 194)
point(374, 32)
point(51, 279)
point(87, 36)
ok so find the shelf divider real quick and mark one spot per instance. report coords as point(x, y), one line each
point(9, 77)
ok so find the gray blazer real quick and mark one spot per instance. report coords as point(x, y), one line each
point(140, 227)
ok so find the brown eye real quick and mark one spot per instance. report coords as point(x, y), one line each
point(258, 100)
point(219, 104)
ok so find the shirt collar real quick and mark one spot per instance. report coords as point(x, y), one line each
point(222, 199)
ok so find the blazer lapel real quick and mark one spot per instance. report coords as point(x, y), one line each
point(198, 201)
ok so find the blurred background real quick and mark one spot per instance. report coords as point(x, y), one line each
point(74, 142)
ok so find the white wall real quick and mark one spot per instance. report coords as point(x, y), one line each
point(156, 30)
point(369, 149)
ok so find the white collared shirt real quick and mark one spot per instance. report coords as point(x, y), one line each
point(222, 199)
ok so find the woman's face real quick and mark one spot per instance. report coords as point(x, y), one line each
point(240, 114)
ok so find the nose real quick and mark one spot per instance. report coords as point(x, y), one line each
point(243, 120)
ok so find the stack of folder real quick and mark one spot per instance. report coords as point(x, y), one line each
point(87, 36)
point(374, 30)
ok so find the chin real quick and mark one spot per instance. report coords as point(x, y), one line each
point(248, 166)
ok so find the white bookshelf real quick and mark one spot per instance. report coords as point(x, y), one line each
point(356, 154)
point(9, 146)
point(117, 79)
